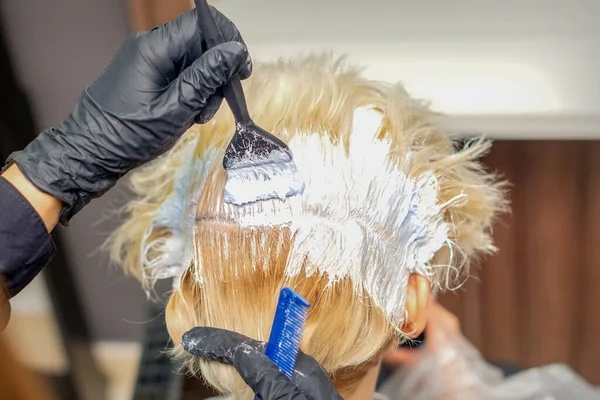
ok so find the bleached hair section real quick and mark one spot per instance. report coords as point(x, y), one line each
point(380, 175)
point(360, 217)
point(166, 256)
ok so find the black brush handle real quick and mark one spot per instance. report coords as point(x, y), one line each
point(233, 91)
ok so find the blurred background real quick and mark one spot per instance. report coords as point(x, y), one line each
point(524, 73)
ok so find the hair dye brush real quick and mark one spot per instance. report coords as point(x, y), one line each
point(259, 166)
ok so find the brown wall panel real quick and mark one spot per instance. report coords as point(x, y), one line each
point(537, 301)
point(146, 14)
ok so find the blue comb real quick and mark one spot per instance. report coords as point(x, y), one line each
point(284, 342)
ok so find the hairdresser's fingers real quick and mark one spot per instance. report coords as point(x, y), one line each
point(177, 44)
point(248, 358)
point(231, 34)
point(193, 88)
point(217, 344)
point(213, 103)
point(313, 380)
point(264, 377)
point(258, 371)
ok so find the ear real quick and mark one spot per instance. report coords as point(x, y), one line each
point(417, 294)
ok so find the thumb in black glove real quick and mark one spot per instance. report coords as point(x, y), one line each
point(310, 381)
point(154, 88)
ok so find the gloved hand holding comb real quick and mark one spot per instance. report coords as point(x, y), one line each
point(310, 381)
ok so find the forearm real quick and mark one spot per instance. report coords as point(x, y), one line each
point(27, 215)
point(25, 245)
point(47, 206)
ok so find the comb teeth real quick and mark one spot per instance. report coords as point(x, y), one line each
point(286, 333)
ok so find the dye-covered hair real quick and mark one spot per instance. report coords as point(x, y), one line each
point(387, 195)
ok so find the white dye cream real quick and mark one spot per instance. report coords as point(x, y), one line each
point(277, 179)
point(360, 216)
point(166, 256)
point(266, 213)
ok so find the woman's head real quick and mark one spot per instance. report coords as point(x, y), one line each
point(387, 199)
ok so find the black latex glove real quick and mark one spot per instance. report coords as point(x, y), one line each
point(247, 356)
point(154, 88)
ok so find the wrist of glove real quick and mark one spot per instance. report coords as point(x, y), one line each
point(157, 85)
point(310, 381)
point(78, 161)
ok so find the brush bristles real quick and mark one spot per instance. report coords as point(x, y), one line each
point(262, 182)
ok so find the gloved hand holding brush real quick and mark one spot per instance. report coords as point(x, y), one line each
point(157, 85)
point(248, 357)
point(154, 88)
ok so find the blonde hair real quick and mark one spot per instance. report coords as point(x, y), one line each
point(232, 272)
